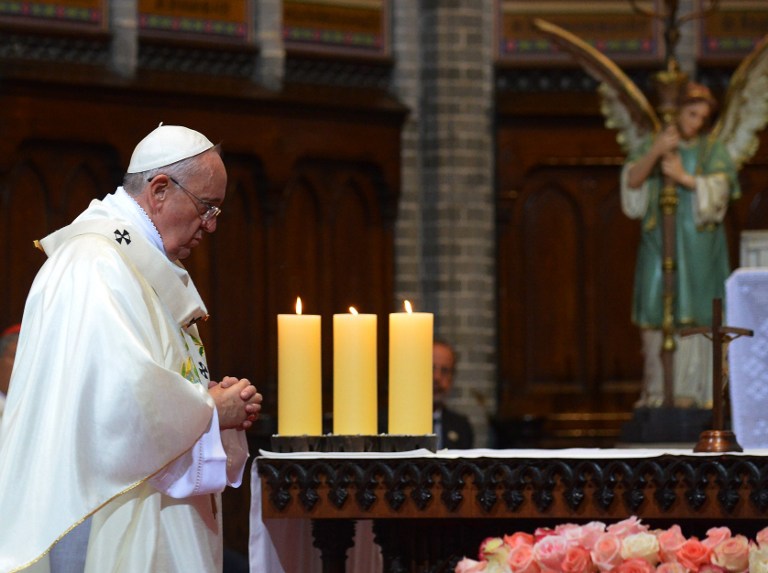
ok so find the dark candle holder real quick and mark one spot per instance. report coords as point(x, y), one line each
point(354, 443)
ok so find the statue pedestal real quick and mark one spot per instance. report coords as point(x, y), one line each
point(666, 425)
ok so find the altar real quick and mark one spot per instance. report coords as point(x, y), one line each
point(428, 510)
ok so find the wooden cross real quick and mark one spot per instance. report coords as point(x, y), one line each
point(718, 334)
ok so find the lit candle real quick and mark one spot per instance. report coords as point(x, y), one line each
point(354, 373)
point(299, 404)
point(410, 372)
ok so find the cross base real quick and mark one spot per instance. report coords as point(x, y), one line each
point(712, 441)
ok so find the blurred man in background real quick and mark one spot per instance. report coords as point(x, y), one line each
point(452, 428)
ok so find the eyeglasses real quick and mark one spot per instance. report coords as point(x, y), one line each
point(211, 211)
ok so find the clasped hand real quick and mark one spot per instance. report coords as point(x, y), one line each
point(238, 403)
point(665, 147)
point(666, 141)
point(672, 167)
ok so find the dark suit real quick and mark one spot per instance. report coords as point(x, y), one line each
point(456, 431)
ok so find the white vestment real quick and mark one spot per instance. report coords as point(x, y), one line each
point(109, 415)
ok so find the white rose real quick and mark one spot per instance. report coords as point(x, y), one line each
point(641, 545)
point(758, 559)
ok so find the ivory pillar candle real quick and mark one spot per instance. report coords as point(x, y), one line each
point(299, 380)
point(354, 374)
point(410, 372)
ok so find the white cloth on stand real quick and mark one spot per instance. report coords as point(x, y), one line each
point(263, 557)
point(285, 545)
point(747, 307)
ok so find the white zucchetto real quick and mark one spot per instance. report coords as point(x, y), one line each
point(165, 145)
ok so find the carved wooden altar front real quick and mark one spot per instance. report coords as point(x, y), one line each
point(430, 511)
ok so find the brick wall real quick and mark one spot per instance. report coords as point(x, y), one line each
point(445, 234)
point(407, 86)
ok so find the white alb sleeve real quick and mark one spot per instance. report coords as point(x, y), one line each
point(216, 460)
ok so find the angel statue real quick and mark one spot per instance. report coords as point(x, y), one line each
point(678, 170)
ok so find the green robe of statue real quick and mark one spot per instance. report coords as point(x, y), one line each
point(701, 246)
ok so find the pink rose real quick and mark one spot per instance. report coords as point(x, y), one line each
point(712, 569)
point(590, 533)
point(732, 554)
point(520, 559)
point(467, 565)
point(606, 553)
point(549, 553)
point(635, 566)
point(542, 532)
point(716, 535)
point(570, 531)
point(670, 542)
point(577, 560)
point(629, 526)
point(583, 535)
point(693, 554)
point(762, 537)
point(519, 538)
point(671, 568)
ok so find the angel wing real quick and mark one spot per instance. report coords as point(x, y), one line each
point(623, 105)
point(745, 109)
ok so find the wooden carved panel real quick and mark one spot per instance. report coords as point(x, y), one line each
point(729, 34)
point(566, 258)
point(610, 25)
point(78, 15)
point(568, 354)
point(345, 27)
point(332, 244)
point(47, 184)
point(236, 272)
point(223, 20)
point(751, 211)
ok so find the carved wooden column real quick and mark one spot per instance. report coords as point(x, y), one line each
point(394, 550)
point(333, 537)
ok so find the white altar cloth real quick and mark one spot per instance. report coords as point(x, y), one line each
point(285, 545)
point(746, 306)
point(545, 454)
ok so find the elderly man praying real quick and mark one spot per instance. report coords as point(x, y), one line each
point(112, 425)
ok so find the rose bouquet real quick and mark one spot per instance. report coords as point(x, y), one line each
point(628, 546)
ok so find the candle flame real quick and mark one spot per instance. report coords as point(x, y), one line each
point(353, 310)
point(408, 308)
point(298, 305)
